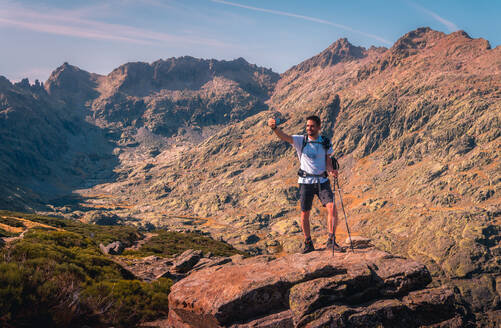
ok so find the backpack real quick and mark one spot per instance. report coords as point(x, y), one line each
point(326, 143)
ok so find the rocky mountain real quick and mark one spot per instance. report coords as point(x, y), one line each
point(416, 128)
point(67, 133)
point(47, 149)
point(180, 95)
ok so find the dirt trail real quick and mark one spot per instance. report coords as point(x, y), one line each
point(9, 240)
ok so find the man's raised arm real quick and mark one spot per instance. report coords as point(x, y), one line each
point(272, 123)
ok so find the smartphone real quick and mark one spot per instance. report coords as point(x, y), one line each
point(278, 118)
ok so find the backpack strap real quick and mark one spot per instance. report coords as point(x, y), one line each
point(305, 141)
point(335, 163)
point(326, 143)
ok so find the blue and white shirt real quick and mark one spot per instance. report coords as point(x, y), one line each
point(313, 159)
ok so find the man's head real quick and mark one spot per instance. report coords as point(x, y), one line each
point(313, 125)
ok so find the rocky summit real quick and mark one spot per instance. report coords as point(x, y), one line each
point(182, 144)
point(360, 289)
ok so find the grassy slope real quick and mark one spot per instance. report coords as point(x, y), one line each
point(56, 276)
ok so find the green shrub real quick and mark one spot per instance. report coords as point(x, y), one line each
point(106, 234)
point(67, 247)
point(126, 302)
point(40, 295)
point(43, 275)
point(12, 222)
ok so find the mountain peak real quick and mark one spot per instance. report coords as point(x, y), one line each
point(65, 68)
point(65, 72)
point(4, 82)
point(341, 42)
point(339, 51)
point(345, 50)
point(241, 60)
point(425, 37)
point(462, 36)
point(416, 39)
point(69, 79)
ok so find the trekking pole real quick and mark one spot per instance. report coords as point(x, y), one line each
point(334, 206)
point(345, 219)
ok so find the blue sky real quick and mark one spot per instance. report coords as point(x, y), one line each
point(98, 36)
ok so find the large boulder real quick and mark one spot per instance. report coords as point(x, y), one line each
point(436, 307)
point(358, 242)
point(113, 248)
point(315, 289)
point(187, 260)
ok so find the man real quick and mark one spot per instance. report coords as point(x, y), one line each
point(315, 161)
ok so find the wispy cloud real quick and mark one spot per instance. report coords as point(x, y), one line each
point(308, 18)
point(447, 23)
point(75, 23)
point(156, 3)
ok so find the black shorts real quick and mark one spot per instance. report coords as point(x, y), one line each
point(308, 191)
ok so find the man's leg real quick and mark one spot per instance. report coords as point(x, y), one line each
point(305, 223)
point(326, 196)
point(306, 198)
point(331, 216)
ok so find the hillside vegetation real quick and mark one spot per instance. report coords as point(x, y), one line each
point(56, 276)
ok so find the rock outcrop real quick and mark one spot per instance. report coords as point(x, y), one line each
point(187, 260)
point(113, 248)
point(356, 289)
point(154, 267)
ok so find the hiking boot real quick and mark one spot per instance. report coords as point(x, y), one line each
point(337, 248)
point(308, 246)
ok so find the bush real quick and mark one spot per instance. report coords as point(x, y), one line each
point(125, 302)
point(43, 275)
point(37, 295)
point(54, 222)
point(12, 222)
point(106, 234)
